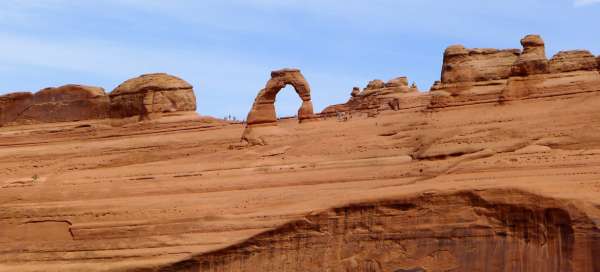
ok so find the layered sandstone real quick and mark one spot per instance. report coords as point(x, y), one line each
point(479, 186)
point(143, 97)
point(263, 109)
point(379, 96)
point(511, 187)
point(66, 103)
point(472, 76)
point(151, 94)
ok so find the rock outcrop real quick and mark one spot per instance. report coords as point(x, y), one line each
point(465, 231)
point(263, 109)
point(473, 76)
point(533, 60)
point(61, 104)
point(378, 96)
point(151, 94)
point(576, 60)
point(474, 65)
point(144, 97)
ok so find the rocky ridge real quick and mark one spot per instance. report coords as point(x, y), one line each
point(143, 97)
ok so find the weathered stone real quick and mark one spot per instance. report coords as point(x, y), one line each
point(263, 110)
point(397, 82)
point(393, 95)
point(471, 65)
point(576, 60)
point(533, 59)
point(355, 92)
point(151, 94)
point(61, 104)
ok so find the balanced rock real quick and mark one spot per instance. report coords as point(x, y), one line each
point(61, 104)
point(576, 60)
point(533, 59)
point(151, 94)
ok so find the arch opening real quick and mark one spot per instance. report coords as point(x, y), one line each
point(263, 109)
point(287, 103)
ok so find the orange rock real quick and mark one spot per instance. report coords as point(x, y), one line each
point(576, 60)
point(263, 110)
point(533, 59)
point(66, 103)
point(151, 94)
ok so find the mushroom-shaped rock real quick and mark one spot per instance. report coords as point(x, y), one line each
point(263, 109)
point(151, 94)
point(575, 60)
point(533, 59)
point(375, 84)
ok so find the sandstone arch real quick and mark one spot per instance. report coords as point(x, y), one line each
point(263, 109)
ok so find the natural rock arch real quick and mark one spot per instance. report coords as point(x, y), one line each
point(263, 109)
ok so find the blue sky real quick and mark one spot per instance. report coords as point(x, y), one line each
point(227, 48)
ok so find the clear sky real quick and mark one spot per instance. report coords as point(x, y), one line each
point(227, 48)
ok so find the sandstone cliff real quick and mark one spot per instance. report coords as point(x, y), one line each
point(145, 96)
point(492, 76)
point(66, 103)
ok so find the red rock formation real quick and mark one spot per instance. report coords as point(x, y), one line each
point(263, 109)
point(473, 65)
point(533, 59)
point(500, 231)
point(151, 94)
point(576, 60)
point(472, 76)
point(379, 96)
point(66, 103)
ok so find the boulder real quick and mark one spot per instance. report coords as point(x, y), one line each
point(66, 103)
point(576, 60)
point(533, 60)
point(478, 64)
point(151, 94)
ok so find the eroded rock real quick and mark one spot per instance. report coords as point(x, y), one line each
point(151, 94)
point(378, 96)
point(576, 60)
point(533, 60)
point(263, 110)
point(479, 64)
point(66, 103)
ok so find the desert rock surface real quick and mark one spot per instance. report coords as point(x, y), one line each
point(461, 182)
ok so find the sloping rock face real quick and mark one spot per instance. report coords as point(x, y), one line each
point(151, 94)
point(379, 96)
point(473, 76)
point(66, 103)
point(263, 109)
point(466, 231)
